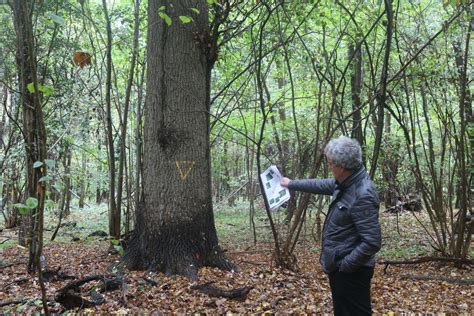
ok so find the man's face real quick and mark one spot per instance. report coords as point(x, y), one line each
point(336, 170)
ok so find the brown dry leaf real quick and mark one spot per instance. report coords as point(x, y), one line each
point(82, 59)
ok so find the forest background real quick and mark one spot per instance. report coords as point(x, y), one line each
point(257, 83)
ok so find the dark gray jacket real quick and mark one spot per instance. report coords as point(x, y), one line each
point(351, 231)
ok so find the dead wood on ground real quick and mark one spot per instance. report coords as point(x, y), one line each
point(238, 293)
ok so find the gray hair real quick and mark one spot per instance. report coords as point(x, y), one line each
point(344, 152)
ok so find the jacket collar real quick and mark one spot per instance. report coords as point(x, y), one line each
point(353, 178)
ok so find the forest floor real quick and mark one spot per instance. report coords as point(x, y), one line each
point(394, 291)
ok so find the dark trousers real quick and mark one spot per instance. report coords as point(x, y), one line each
point(351, 292)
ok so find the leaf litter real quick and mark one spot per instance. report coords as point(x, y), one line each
point(273, 290)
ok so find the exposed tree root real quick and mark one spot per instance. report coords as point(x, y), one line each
point(69, 296)
point(55, 275)
point(6, 303)
point(425, 259)
point(443, 279)
point(286, 261)
point(6, 265)
point(238, 293)
point(221, 262)
point(252, 262)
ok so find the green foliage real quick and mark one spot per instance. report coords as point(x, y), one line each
point(306, 93)
point(50, 163)
point(453, 3)
point(117, 246)
point(45, 179)
point(22, 208)
point(233, 225)
point(49, 204)
point(185, 19)
point(409, 251)
point(164, 16)
point(48, 91)
point(30, 203)
point(57, 19)
point(37, 164)
point(120, 249)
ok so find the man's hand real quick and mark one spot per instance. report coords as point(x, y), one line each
point(284, 182)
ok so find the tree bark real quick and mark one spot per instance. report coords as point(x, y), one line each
point(175, 230)
point(465, 115)
point(66, 195)
point(114, 215)
point(34, 132)
point(123, 130)
point(382, 93)
point(83, 183)
point(138, 142)
point(356, 88)
point(27, 103)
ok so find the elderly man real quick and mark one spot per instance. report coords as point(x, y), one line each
point(351, 231)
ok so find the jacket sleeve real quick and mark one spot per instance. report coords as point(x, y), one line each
point(365, 216)
point(318, 186)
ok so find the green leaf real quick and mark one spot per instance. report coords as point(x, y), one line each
point(162, 8)
point(45, 179)
point(31, 202)
point(69, 139)
point(119, 249)
point(50, 163)
point(49, 203)
point(57, 19)
point(211, 2)
point(452, 3)
point(45, 89)
point(185, 19)
point(37, 164)
point(20, 205)
point(115, 242)
point(165, 17)
point(22, 208)
point(195, 10)
point(30, 87)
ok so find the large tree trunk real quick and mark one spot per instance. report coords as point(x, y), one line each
point(463, 240)
point(34, 133)
point(138, 142)
point(25, 76)
point(175, 230)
